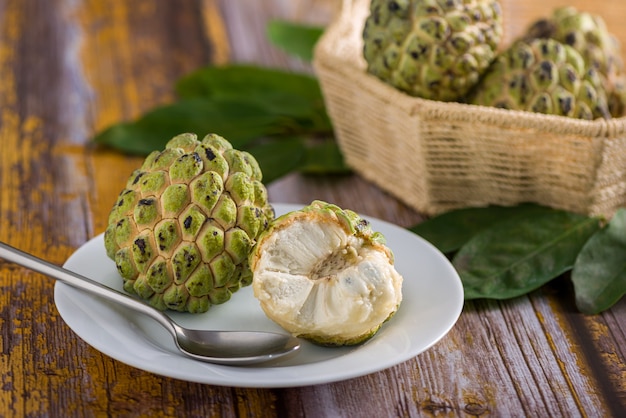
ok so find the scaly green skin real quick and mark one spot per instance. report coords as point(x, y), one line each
point(587, 33)
point(434, 49)
point(181, 230)
point(543, 76)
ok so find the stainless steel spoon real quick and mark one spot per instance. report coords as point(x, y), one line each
point(234, 348)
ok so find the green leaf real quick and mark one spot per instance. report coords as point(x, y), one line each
point(284, 93)
point(278, 157)
point(599, 274)
point(236, 121)
point(324, 158)
point(295, 39)
point(516, 256)
point(450, 230)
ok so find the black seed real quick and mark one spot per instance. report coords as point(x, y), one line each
point(566, 105)
point(393, 6)
point(141, 244)
point(415, 55)
point(363, 223)
point(187, 222)
point(526, 59)
point(546, 70)
point(210, 155)
point(196, 157)
point(188, 257)
point(570, 38)
point(146, 202)
point(140, 175)
point(546, 66)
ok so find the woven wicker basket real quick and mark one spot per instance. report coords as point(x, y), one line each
point(438, 156)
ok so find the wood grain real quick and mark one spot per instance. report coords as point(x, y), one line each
point(72, 67)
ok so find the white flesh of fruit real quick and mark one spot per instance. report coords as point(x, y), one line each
point(314, 278)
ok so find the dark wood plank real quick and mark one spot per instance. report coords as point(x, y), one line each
point(68, 69)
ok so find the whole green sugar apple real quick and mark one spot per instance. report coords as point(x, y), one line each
point(588, 34)
point(543, 76)
point(182, 229)
point(434, 49)
point(323, 274)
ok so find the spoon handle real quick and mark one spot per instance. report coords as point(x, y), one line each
point(81, 282)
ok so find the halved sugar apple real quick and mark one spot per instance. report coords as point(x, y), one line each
point(322, 274)
point(182, 229)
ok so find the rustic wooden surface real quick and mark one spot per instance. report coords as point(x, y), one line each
point(69, 68)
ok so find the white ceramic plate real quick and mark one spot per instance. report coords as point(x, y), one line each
point(432, 303)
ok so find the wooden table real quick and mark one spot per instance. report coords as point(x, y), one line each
point(71, 68)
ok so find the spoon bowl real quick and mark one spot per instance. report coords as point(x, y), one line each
point(235, 348)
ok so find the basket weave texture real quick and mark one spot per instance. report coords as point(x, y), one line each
point(437, 156)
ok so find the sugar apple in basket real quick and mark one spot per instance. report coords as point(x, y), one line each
point(182, 228)
point(587, 33)
point(543, 76)
point(434, 49)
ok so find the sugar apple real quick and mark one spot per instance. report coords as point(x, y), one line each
point(322, 274)
point(543, 76)
point(434, 49)
point(181, 230)
point(588, 34)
